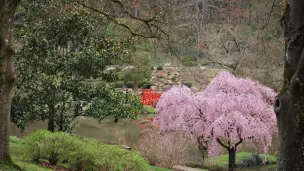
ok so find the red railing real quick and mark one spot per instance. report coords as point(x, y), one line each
point(150, 97)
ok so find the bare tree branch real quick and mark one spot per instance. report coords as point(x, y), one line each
point(147, 22)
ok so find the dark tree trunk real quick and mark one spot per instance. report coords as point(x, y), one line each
point(51, 119)
point(231, 150)
point(232, 155)
point(61, 123)
point(136, 86)
point(201, 147)
point(51, 123)
point(8, 74)
point(199, 20)
point(289, 105)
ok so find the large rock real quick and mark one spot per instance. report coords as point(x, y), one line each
point(169, 82)
point(154, 88)
point(167, 64)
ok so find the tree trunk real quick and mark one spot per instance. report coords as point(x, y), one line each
point(51, 122)
point(8, 74)
point(51, 118)
point(231, 150)
point(201, 148)
point(199, 20)
point(135, 86)
point(4, 125)
point(289, 105)
point(61, 123)
point(232, 155)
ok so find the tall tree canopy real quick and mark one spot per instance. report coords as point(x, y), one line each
point(8, 73)
point(61, 46)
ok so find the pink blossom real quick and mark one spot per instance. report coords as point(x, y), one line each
point(229, 109)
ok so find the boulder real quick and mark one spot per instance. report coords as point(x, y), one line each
point(154, 88)
point(169, 82)
point(167, 64)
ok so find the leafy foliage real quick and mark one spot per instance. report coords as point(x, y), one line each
point(81, 153)
point(160, 68)
point(16, 140)
point(64, 44)
point(189, 61)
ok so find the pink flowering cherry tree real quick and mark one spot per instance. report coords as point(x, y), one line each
point(175, 109)
point(229, 112)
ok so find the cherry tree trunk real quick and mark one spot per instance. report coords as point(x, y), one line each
point(232, 155)
point(289, 105)
point(8, 74)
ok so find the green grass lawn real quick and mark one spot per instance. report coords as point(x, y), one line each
point(149, 109)
point(154, 168)
point(20, 160)
point(222, 160)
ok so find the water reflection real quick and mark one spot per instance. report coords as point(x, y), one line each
point(126, 131)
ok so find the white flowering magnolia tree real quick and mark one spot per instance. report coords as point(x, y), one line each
point(228, 113)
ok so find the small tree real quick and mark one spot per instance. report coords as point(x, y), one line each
point(141, 70)
point(229, 112)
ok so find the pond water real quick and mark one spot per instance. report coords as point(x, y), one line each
point(124, 132)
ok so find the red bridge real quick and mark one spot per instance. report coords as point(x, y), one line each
point(150, 97)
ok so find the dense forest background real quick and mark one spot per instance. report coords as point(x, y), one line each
point(243, 36)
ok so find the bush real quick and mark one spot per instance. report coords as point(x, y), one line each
point(164, 150)
point(16, 140)
point(124, 75)
point(81, 153)
point(160, 68)
point(109, 76)
point(251, 161)
point(145, 84)
point(118, 84)
point(45, 145)
point(189, 61)
point(34, 144)
point(130, 84)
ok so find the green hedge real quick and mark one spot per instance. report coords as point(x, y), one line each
point(118, 84)
point(130, 84)
point(189, 61)
point(160, 68)
point(145, 84)
point(81, 153)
